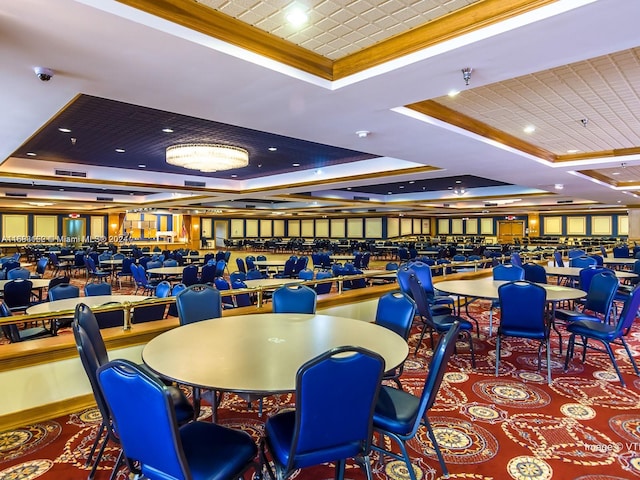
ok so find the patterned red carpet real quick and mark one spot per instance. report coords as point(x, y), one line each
point(584, 426)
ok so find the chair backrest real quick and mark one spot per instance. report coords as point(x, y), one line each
point(582, 262)
point(10, 265)
point(125, 269)
point(294, 299)
point(163, 289)
point(629, 312)
point(220, 267)
point(198, 302)
point(254, 274)
point(421, 298)
point(41, 265)
point(557, 256)
point(208, 274)
point(437, 368)
point(335, 400)
point(586, 274)
point(242, 299)
point(508, 272)
point(58, 281)
point(515, 259)
point(575, 252)
point(153, 264)
point(94, 289)
point(534, 273)
point(10, 331)
point(242, 276)
point(62, 291)
point(19, 272)
point(306, 274)
point(365, 260)
point(221, 283)
point(522, 307)
point(240, 264)
point(395, 311)
point(391, 266)
point(598, 258)
point(84, 318)
point(145, 419)
point(190, 275)
point(322, 288)
point(621, 251)
point(289, 267)
point(171, 262)
point(603, 251)
point(601, 293)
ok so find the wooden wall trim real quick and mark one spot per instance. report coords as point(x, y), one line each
point(42, 413)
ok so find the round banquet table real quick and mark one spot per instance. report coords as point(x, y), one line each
point(168, 270)
point(92, 302)
point(261, 353)
point(487, 288)
point(575, 272)
point(270, 282)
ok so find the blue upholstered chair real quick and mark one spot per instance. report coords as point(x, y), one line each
point(588, 329)
point(125, 270)
point(515, 259)
point(306, 274)
point(395, 311)
point(599, 300)
point(93, 354)
point(142, 281)
point(19, 272)
point(94, 289)
point(208, 274)
point(294, 299)
point(441, 304)
point(222, 285)
point(399, 414)
point(522, 315)
point(198, 302)
point(144, 415)
point(15, 334)
point(242, 299)
point(62, 291)
point(437, 323)
point(94, 273)
point(335, 398)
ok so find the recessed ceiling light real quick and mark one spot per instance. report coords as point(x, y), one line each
point(295, 164)
point(458, 181)
point(389, 193)
point(272, 149)
point(142, 165)
point(31, 154)
point(573, 150)
point(401, 186)
point(297, 17)
point(167, 130)
point(234, 175)
point(453, 93)
point(120, 150)
point(529, 129)
point(363, 133)
point(64, 130)
point(412, 181)
point(61, 189)
point(559, 186)
point(348, 188)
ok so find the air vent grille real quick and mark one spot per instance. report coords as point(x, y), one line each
point(190, 183)
point(564, 201)
point(489, 204)
point(14, 194)
point(104, 199)
point(356, 197)
point(71, 173)
point(249, 207)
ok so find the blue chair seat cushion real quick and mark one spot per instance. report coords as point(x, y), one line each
point(522, 332)
point(395, 410)
point(571, 315)
point(444, 322)
point(593, 328)
point(212, 448)
point(280, 430)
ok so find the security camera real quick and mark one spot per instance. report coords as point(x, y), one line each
point(43, 73)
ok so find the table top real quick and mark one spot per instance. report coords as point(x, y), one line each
point(619, 261)
point(488, 288)
point(37, 283)
point(270, 282)
point(261, 353)
point(111, 261)
point(167, 270)
point(575, 272)
point(342, 257)
point(95, 301)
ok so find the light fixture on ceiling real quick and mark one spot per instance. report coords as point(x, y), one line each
point(207, 157)
point(466, 75)
point(559, 186)
point(459, 191)
point(363, 133)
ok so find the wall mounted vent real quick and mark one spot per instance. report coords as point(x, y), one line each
point(250, 207)
point(489, 204)
point(564, 201)
point(71, 173)
point(14, 194)
point(190, 183)
point(366, 199)
point(104, 199)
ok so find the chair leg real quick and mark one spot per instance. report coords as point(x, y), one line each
point(548, 361)
point(473, 356)
point(633, 362)
point(615, 364)
point(570, 347)
point(436, 447)
point(497, 354)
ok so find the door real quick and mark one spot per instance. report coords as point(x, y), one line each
point(509, 230)
point(221, 228)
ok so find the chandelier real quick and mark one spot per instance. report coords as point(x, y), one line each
point(207, 157)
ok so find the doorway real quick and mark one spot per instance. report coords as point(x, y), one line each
point(221, 228)
point(509, 230)
point(74, 229)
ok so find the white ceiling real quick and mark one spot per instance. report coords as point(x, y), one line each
point(106, 49)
